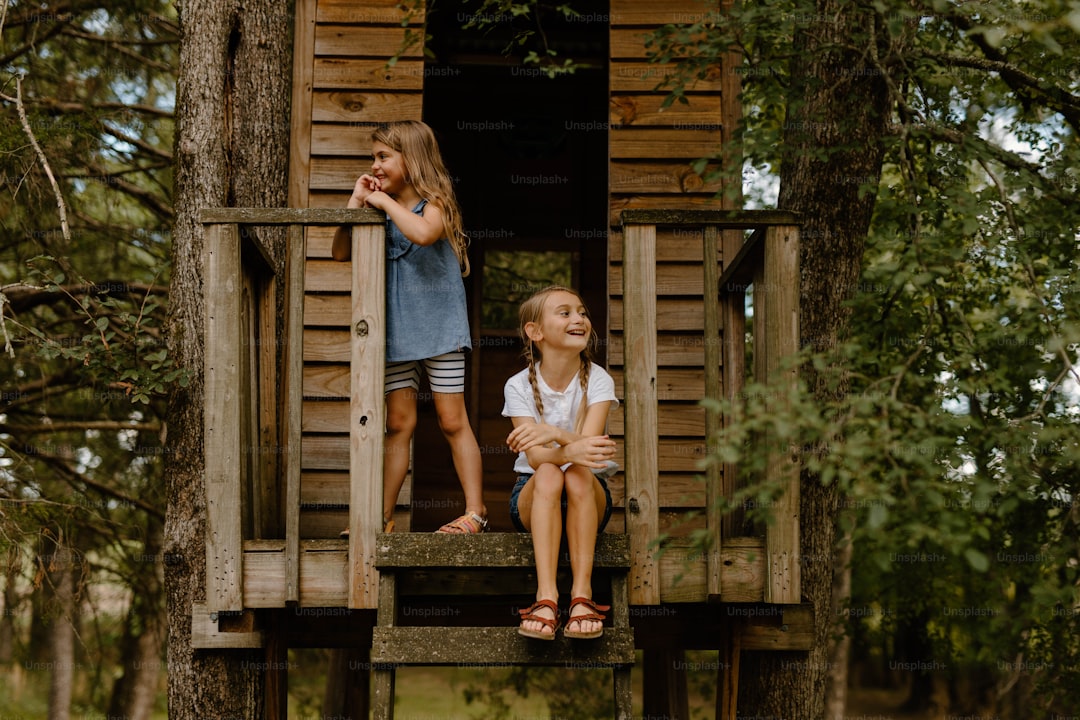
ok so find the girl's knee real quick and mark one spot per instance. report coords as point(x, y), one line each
point(400, 422)
point(548, 480)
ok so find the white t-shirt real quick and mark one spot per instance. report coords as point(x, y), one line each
point(560, 408)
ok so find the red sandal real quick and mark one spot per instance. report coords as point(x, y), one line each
point(595, 613)
point(529, 613)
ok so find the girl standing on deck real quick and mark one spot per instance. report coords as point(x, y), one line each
point(559, 406)
point(427, 322)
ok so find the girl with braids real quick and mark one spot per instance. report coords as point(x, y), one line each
point(427, 322)
point(559, 406)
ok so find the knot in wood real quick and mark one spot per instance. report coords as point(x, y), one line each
point(362, 328)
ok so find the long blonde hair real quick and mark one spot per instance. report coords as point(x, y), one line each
point(532, 311)
point(426, 172)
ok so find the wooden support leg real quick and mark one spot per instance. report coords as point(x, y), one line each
point(665, 684)
point(277, 663)
point(623, 693)
point(383, 691)
point(348, 684)
point(727, 681)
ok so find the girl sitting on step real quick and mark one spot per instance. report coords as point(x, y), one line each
point(559, 407)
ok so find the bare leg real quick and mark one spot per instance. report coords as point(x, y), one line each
point(454, 423)
point(400, 425)
point(539, 505)
point(585, 506)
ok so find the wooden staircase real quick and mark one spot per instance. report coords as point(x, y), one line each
point(414, 565)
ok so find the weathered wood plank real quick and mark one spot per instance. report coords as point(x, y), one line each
point(787, 627)
point(742, 571)
point(722, 219)
point(638, 77)
point(679, 244)
point(364, 74)
point(327, 276)
point(639, 109)
point(363, 41)
point(703, 202)
point(347, 106)
point(672, 384)
point(691, 143)
point(671, 350)
point(630, 176)
point(641, 463)
point(671, 279)
point(327, 310)
point(292, 412)
point(326, 345)
point(322, 577)
point(488, 550)
point(650, 12)
point(300, 117)
point(672, 420)
point(222, 423)
point(494, 646)
point(672, 314)
point(629, 43)
point(713, 475)
point(326, 381)
point(374, 12)
point(367, 421)
point(207, 635)
point(291, 216)
point(781, 335)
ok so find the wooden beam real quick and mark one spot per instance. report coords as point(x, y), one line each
point(366, 417)
point(291, 216)
point(207, 633)
point(780, 335)
point(300, 118)
point(722, 219)
point(222, 420)
point(713, 477)
point(640, 445)
point(778, 627)
point(292, 417)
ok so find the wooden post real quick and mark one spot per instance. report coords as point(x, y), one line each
point(713, 477)
point(641, 451)
point(292, 416)
point(781, 336)
point(222, 420)
point(367, 411)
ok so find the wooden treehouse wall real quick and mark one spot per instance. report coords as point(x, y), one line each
point(343, 87)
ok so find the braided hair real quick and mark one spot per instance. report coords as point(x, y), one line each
point(532, 311)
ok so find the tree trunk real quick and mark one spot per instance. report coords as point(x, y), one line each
point(832, 149)
point(11, 600)
point(61, 663)
point(144, 635)
point(840, 643)
point(232, 116)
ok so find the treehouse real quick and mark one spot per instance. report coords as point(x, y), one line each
point(583, 175)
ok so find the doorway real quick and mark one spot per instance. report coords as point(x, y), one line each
point(529, 157)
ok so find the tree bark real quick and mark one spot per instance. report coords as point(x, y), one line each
point(832, 152)
point(61, 663)
point(231, 149)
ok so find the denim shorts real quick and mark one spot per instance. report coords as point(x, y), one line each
point(515, 517)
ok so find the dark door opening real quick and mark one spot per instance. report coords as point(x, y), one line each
point(529, 156)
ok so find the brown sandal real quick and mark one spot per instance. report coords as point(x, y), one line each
point(529, 613)
point(595, 613)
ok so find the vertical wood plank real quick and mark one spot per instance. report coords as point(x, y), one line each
point(713, 476)
point(734, 373)
point(641, 432)
point(224, 456)
point(303, 82)
point(727, 693)
point(781, 320)
point(366, 414)
point(292, 416)
point(270, 499)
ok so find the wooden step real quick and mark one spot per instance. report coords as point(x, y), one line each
point(497, 646)
point(487, 550)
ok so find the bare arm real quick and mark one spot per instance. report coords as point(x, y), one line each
point(421, 230)
point(590, 449)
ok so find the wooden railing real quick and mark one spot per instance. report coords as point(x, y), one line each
point(242, 402)
point(253, 421)
point(768, 260)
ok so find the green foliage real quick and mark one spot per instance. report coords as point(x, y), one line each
point(954, 442)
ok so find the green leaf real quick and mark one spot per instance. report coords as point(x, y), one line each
point(977, 559)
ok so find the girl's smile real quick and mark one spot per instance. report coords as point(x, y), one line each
point(388, 168)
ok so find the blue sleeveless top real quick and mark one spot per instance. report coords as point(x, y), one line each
point(426, 314)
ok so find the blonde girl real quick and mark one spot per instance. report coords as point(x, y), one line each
point(559, 407)
point(427, 323)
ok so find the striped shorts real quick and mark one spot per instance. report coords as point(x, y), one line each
point(445, 373)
